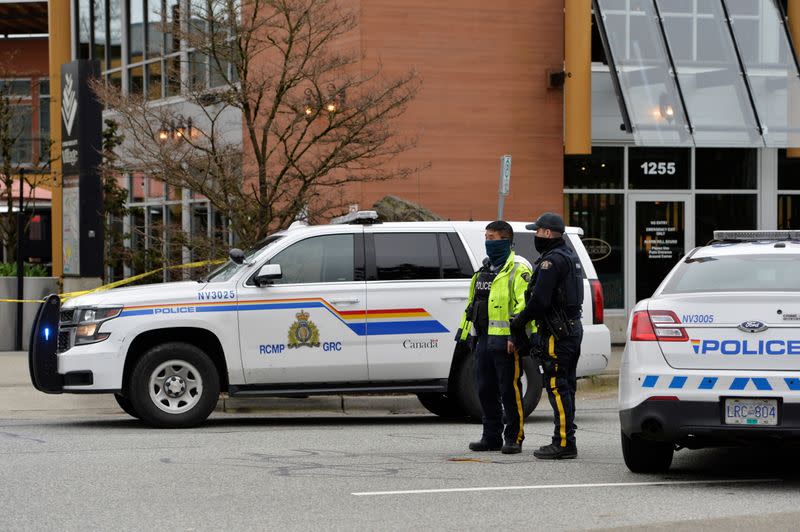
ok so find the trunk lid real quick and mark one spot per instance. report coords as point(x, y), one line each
point(741, 331)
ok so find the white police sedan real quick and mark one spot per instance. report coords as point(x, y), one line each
point(713, 357)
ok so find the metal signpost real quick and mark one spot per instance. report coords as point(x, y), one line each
point(505, 183)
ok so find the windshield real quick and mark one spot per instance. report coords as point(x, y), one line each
point(736, 273)
point(229, 269)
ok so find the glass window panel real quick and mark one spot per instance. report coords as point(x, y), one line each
point(44, 88)
point(602, 218)
point(115, 79)
point(650, 93)
point(115, 33)
point(400, 256)
point(154, 81)
point(172, 25)
point(137, 240)
point(16, 87)
point(136, 78)
point(602, 169)
point(174, 193)
point(138, 188)
point(788, 172)
point(714, 92)
point(155, 234)
point(173, 84)
point(84, 29)
point(723, 211)
point(218, 75)
point(21, 131)
point(154, 36)
point(721, 168)
point(197, 71)
point(321, 259)
point(659, 168)
point(199, 220)
point(789, 211)
point(100, 33)
point(771, 70)
point(44, 127)
point(136, 31)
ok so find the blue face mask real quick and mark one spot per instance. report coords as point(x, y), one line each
point(498, 251)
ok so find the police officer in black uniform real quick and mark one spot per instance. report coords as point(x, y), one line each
point(554, 299)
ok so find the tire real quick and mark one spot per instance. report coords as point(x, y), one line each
point(125, 404)
point(174, 385)
point(643, 456)
point(442, 404)
point(467, 391)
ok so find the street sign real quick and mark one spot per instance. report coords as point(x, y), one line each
point(505, 174)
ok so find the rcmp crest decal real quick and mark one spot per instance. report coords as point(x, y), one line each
point(303, 332)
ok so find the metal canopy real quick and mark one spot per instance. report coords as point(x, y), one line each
point(23, 18)
point(703, 73)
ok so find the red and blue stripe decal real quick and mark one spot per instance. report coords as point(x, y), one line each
point(373, 322)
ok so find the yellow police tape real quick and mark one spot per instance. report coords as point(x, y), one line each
point(123, 282)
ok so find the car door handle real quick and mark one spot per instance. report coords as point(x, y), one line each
point(350, 301)
point(454, 298)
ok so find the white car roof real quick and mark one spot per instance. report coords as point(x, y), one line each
point(747, 248)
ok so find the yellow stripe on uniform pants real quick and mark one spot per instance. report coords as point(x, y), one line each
point(518, 396)
point(562, 417)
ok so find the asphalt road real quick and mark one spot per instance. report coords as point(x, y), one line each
point(290, 471)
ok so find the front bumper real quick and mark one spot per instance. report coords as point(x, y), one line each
point(700, 424)
point(91, 368)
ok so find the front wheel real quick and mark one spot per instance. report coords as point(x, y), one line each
point(125, 404)
point(643, 456)
point(174, 385)
point(441, 404)
point(467, 392)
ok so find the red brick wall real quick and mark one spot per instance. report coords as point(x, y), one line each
point(24, 57)
point(484, 94)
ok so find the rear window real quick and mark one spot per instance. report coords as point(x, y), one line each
point(736, 273)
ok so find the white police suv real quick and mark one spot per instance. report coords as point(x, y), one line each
point(713, 357)
point(361, 307)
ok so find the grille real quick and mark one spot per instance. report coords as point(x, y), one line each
point(63, 341)
point(67, 315)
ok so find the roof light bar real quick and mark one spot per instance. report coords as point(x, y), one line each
point(358, 217)
point(745, 236)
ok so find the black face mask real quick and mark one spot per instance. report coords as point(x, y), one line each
point(543, 244)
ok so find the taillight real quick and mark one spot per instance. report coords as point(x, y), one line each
point(597, 301)
point(650, 326)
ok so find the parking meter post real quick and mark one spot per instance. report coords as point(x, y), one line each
point(505, 184)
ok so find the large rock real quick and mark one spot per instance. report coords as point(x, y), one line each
point(394, 209)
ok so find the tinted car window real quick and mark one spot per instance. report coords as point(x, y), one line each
point(452, 267)
point(736, 273)
point(523, 245)
point(400, 256)
point(320, 259)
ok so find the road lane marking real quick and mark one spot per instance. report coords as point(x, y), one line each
point(572, 486)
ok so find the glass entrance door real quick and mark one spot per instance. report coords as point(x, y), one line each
point(658, 237)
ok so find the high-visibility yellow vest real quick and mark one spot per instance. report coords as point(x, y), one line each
point(506, 299)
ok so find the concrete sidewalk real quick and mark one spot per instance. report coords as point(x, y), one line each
point(18, 398)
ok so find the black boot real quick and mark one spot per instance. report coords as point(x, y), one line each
point(484, 445)
point(511, 448)
point(556, 452)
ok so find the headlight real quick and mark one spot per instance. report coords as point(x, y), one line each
point(89, 321)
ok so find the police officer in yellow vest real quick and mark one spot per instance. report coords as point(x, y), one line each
point(497, 294)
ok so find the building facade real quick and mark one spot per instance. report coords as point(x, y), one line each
point(692, 115)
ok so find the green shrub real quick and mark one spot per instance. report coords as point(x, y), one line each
point(9, 269)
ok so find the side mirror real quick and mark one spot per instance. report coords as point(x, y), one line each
point(236, 255)
point(268, 273)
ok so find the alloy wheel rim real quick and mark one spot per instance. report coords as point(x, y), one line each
point(175, 386)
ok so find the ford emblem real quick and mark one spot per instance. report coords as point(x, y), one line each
point(752, 326)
